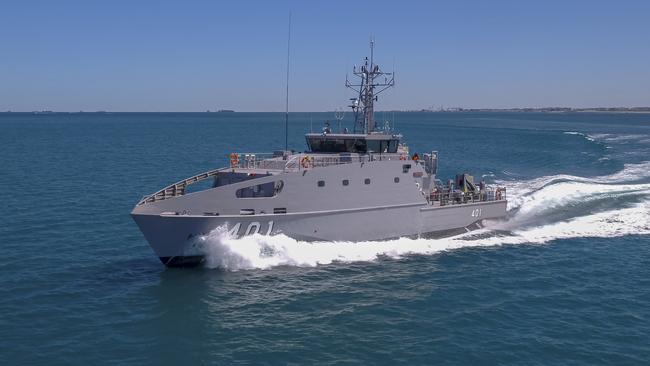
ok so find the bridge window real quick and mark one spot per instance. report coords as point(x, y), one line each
point(392, 146)
point(351, 144)
point(382, 146)
point(325, 144)
point(270, 189)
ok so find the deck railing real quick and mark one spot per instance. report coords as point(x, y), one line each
point(178, 188)
point(264, 161)
point(302, 161)
point(445, 196)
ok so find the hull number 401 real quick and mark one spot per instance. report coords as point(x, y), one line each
point(253, 228)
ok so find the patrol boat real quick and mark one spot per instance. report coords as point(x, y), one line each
point(348, 186)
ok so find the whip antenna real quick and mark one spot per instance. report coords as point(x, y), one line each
point(286, 113)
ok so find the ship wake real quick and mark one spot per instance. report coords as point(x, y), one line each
point(540, 210)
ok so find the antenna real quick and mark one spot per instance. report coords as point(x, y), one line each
point(339, 114)
point(367, 89)
point(286, 113)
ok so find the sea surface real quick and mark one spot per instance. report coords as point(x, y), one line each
point(564, 280)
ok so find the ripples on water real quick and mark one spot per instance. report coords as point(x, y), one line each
point(564, 280)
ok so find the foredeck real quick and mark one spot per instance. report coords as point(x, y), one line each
point(306, 161)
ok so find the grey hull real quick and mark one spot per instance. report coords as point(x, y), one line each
point(173, 237)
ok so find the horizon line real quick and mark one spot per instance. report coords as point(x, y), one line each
point(451, 109)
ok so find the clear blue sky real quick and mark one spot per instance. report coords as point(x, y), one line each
point(197, 55)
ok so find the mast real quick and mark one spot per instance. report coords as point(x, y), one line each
point(363, 105)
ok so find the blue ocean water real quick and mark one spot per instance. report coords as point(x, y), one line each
point(564, 280)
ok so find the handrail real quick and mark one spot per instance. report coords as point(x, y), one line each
point(302, 161)
point(178, 188)
point(295, 162)
point(453, 197)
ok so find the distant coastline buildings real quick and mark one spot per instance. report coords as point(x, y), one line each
point(431, 110)
point(541, 109)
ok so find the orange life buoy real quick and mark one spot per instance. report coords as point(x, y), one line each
point(402, 157)
point(234, 160)
point(305, 162)
point(415, 157)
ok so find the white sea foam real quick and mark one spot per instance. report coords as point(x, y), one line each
point(625, 138)
point(587, 137)
point(540, 210)
point(615, 138)
point(629, 173)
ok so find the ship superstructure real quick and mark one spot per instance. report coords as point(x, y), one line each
point(348, 186)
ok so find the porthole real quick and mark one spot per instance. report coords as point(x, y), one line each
point(396, 180)
point(346, 182)
point(321, 183)
point(367, 181)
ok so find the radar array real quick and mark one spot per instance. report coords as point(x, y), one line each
point(368, 89)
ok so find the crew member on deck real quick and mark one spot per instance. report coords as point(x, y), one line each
point(327, 129)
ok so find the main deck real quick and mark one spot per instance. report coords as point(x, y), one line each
point(279, 163)
point(270, 163)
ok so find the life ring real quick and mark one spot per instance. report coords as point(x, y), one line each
point(305, 162)
point(402, 157)
point(415, 157)
point(234, 160)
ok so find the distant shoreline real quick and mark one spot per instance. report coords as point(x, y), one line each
point(547, 110)
point(622, 110)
